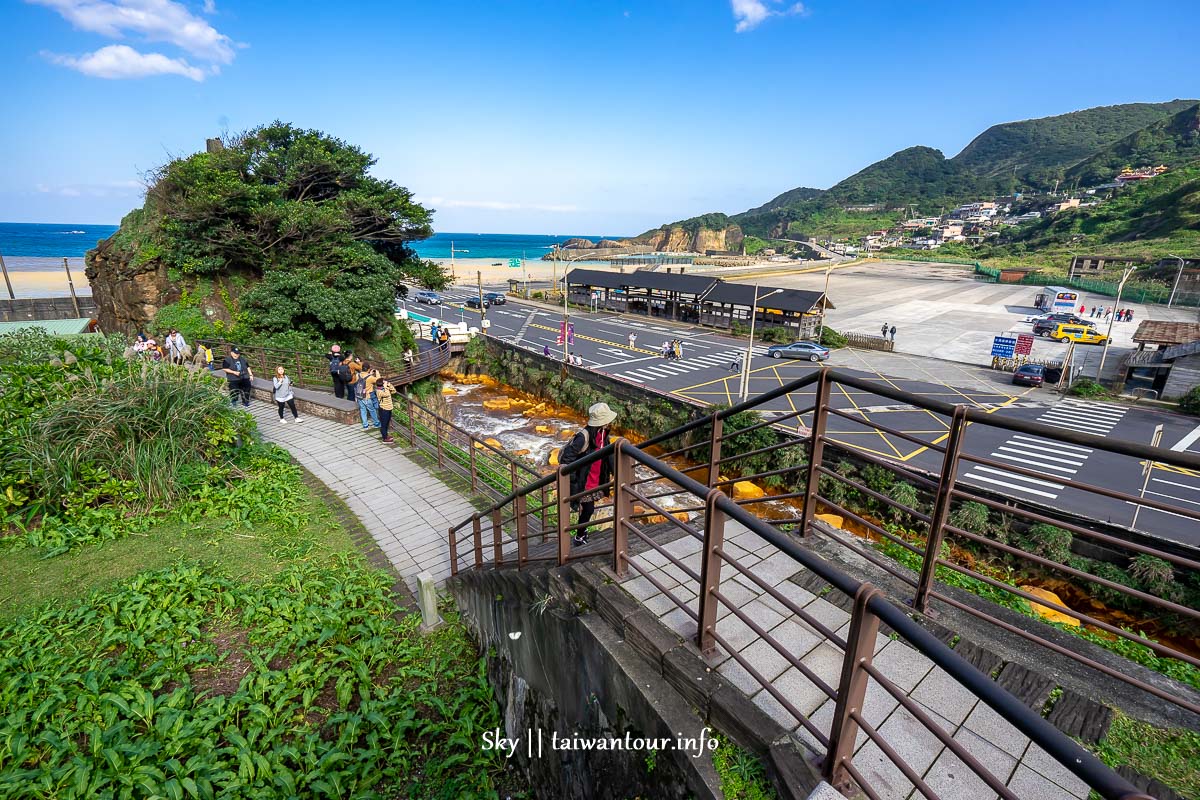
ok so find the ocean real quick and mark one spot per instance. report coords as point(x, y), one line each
point(22, 241)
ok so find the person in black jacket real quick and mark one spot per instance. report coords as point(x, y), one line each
point(334, 357)
point(589, 479)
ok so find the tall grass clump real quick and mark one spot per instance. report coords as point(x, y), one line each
point(147, 427)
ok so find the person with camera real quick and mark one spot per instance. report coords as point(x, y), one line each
point(587, 482)
point(383, 393)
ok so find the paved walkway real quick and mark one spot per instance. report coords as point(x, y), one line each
point(1007, 753)
point(406, 508)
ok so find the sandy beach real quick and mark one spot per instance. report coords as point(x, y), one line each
point(496, 270)
point(46, 283)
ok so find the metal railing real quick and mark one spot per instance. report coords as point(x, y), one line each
point(642, 484)
point(311, 370)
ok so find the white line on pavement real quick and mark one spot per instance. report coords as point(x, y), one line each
point(1015, 477)
point(1057, 446)
point(1034, 463)
point(1011, 486)
point(1041, 458)
point(1186, 441)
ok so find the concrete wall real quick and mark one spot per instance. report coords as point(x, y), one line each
point(32, 308)
point(1185, 373)
point(571, 654)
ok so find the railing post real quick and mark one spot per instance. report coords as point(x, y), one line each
point(544, 512)
point(852, 689)
point(437, 435)
point(412, 424)
point(622, 508)
point(714, 450)
point(816, 451)
point(497, 538)
point(477, 533)
point(710, 572)
point(522, 530)
point(941, 509)
point(453, 552)
point(471, 458)
point(299, 371)
point(512, 476)
point(563, 484)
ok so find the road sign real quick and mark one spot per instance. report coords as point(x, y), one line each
point(1024, 344)
point(514, 262)
point(1004, 346)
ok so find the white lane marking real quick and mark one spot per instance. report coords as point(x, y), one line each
point(1159, 510)
point(1016, 477)
point(629, 377)
point(1080, 418)
point(1186, 441)
point(1048, 441)
point(1070, 426)
point(1014, 487)
point(1073, 461)
point(1176, 483)
point(1173, 497)
point(1034, 463)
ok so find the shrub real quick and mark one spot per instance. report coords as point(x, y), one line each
point(904, 493)
point(1190, 402)
point(972, 517)
point(1048, 542)
point(1086, 387)
point(1155, 574)
point(831, 338)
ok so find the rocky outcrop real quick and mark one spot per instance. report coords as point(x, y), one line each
point(677, 239)
point(578, 244)
point(604, 244)
point(128, 293)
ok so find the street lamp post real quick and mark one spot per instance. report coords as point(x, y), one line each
point(1108, 337)
point(745, 390)
point(824, 303)
point(1178, 275)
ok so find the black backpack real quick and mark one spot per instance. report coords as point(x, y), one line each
point(335, 364)
point(344, 374)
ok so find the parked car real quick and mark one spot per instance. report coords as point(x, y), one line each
point(1077, 333)
point(1030, 375)
point(1059, 316)
point(429, 298)
point(473, 302)
point(1046, 328)
point(495, 298)
point(810, 350)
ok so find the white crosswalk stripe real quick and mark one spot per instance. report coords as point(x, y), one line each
point(1052, 459)
point(688, 364)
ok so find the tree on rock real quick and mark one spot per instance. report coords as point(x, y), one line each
point(281, 229)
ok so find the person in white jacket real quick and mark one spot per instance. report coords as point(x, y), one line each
point(175, 347)
point(284, 396)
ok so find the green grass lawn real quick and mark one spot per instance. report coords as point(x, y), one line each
point(208, 659)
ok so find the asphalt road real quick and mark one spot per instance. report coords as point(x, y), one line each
point(707, 374)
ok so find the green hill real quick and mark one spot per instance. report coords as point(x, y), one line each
point(1025, 155)
point(1035, 150)
point(1173, 141)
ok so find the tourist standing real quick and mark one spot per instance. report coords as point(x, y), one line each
point(237, 372)
point(586, 482)
point(632, 340)
point(883, 331)
point(679, 348)
point(366, 397)
point(346, 376)
point(203, 357)
point(176, 346)
point(1082, 308)
point(281, 386)
point(546, 350)
point(383, 393)
point(893, 332)
point(408, 360)
point(1129, 315)
point(334, 357)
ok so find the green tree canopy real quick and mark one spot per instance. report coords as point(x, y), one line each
point(319, 244)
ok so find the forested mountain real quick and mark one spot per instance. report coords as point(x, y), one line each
point(1089, 146)
point(1034, 150)
point(1172, 141)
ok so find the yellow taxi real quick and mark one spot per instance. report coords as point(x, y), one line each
point(1082, 334)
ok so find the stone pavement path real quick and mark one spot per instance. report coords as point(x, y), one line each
point(1025, 768)
point(407, 509)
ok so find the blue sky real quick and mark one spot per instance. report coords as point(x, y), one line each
point(555, 116)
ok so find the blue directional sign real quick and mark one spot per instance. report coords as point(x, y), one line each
point(514, 262)
point(1004, 346)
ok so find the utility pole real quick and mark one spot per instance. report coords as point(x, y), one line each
point(482, 307)
point(745, 389)
point(7, 282)
point(1155, 440)
point(71, 286)
point(1178, 275)
point(566, 323)
point(1108, 337)
point(824, 303)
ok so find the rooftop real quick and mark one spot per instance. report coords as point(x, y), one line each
point(1156, 331)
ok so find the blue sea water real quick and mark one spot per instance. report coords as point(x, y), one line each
point(36, 240)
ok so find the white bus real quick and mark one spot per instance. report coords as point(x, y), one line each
point(1057, 298)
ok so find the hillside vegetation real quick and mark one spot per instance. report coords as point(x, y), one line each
point(1083, 146)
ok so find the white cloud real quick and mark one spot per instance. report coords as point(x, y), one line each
point(210, 7)
point(749, 14)
point(106, 189)
point(494, 205)
point(119, 61)
point(154, 20)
